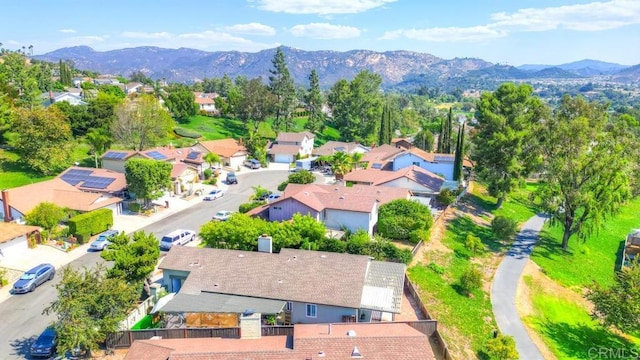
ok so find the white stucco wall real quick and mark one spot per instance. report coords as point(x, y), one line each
point(114, 165)
point(325, 313)
point(352, 220)
point(236, 161)
point(14, 247)
point(307, 147)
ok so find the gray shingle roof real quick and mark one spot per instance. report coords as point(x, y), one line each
point(221, 303)
point(293, 275)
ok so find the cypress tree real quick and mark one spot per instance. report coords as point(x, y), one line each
point(447, 135)
point(441, 137)
point(457, 164)
point(384, 137)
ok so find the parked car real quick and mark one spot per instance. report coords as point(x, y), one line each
point(103, 240)
point(264, 196)
point(34, 278)
point(273, 197)
point(214, 194)
point(252, 164)
point(177, 237)
point(46, 344)
point(222, 215)
point(231, 178)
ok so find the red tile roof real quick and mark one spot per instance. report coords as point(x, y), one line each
point(375, 341)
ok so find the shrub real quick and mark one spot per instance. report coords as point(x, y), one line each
point(212, 181)
point(473, 243)
point(332, 245)
point(3, 277)
point(470, 280)
point(398, 218)
point(302, 177)
point(419, 235)
point(283, 185)
point(446, 197)
point(436, 268)
point(134, 207)
point(208, 173)
point(504, 228)
point(90, 223)
point(187, 133)
point(501, 348)
point(246, 207)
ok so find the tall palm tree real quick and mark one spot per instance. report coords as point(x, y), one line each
point(99, 140)
point(356, 157)
point(212, 158)
point(341, 163)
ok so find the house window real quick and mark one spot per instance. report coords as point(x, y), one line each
point(289, 306)
point(312, 310)
point(416, 163)
point(277, 208)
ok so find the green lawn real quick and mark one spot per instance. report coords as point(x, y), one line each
point(470, 318)
point(594, 259)
point(568, 329)
point(13, 173)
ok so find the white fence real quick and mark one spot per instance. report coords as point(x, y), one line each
point(137, 314)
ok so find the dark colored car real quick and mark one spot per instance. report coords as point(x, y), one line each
point(46, 343)
point(231, 178)
point(34, 278)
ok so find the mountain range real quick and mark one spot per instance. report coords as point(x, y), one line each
point(397, 68)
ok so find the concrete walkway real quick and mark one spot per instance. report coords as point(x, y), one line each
point(505, 284)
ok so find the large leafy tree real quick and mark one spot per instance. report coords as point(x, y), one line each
point(141, 123)
point(586, 167)
point(504, 137)
point(256, 103)
point(181, 102)
point(619, 305)
point(47, 215)
point(399, 218)
point(79, 118)
point(282, 87)
point(314, 102)
point(88, 307)
point(101, 110)
point(147, 178)
point(43, 139)
point(134, 258)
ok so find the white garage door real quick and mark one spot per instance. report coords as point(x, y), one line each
point(283, 158)
point(14, 248)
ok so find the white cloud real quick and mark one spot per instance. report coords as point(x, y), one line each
point(252, 29)
point(146, 35)
point(595, 16)
point(67, 31)
point(325, 31)
point(320, 7)
point(475, 33)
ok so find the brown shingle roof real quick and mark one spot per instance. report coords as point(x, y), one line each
point(293, 137)
point(224, 147)
point(381, 154)
point(414, 173)
point(332, 147)
point(284, 149)
point(375, 341)
point(9, 231)
point(291, 275)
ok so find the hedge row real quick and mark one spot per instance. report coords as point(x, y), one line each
point(187, 133)
point(85, 225)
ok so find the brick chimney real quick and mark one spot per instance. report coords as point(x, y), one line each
point(5, 206)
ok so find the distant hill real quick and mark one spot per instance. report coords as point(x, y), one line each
point(630, 74)
point(586, 67)
point(398, 69)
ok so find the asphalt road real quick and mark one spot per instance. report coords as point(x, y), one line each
point(21, 318)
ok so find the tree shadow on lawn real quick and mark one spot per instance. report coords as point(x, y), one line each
point(550, 248)
point(463, 225)
point(581, 341)
point(484, 206)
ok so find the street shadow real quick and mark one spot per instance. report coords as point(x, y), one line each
point(22, 346)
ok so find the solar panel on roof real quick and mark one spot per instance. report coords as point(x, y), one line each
point(75, 176)
point(444, 158)
point(115, 155)
point(193, 155)
point(97, 182)
point(156, 155)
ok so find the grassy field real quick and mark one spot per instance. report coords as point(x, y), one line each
point(594, 259)
point(566, 327)
point(468, 320)
point(13, 173)
point(214, 128)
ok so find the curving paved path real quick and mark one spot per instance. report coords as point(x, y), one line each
point(505, 284)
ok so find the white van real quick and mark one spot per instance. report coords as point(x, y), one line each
point(177, 237)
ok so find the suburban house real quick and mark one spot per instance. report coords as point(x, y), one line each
point(106, 80)
point(441, 164)
point(131, 88)
point(380, 157)
point(289, 146)
point(54, 97)
point(402, 143)
point(232, 153)
point(338, 207)
point(372, 341)
point(631, 248)
point(206, 101)
point(18, 202)
point(14, 238)
point(102, 181)
point(332, 147)
point(183, 173)
point(311, 286)
point(413, 178)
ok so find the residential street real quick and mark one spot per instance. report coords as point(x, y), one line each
point(21, 316)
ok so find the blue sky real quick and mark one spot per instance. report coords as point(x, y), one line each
point(510, 32)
